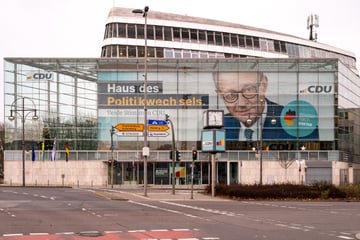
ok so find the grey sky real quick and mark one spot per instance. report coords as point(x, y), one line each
point(75, 28)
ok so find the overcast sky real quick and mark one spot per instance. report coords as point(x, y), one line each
point(75, 28)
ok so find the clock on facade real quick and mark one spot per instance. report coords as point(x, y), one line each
point(213, 119)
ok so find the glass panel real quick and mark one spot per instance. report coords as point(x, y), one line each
point(242, 41)
point(202, 36)
point(218, 38)
point(167, 34)
point(234, 40)
point(150, 32)
point(131, 31)
point(176, 32)
point(140, 31)
point(159, 32)
point(210, 37)
point(249, 42)
point(185, 34)
point(159, 52)
point(121, 30)
point(193, 35)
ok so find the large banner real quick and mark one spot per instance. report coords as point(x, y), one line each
point(275, 106)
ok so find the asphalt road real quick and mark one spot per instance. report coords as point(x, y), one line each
point(116, 214)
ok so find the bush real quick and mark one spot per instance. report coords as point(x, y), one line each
point(320, 190)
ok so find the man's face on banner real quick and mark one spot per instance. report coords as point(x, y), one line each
point(241, 92)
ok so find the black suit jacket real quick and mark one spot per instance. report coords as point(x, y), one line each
point(270, 131)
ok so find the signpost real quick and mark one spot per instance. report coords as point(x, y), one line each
point(138, 127)
point(158, 134)
point(158, 128)
point(157, 122)
point(130, 134)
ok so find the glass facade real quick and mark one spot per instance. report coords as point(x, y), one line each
point(65, 102)
point(294, 103)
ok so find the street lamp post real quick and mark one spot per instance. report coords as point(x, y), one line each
point(21, 112)
point(112, 132)
point(146, 150)
point(173, 149)
point(259, 146)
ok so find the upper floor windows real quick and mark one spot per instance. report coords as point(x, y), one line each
point(198, 36)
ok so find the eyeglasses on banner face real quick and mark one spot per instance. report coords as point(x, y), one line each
point(247, 93)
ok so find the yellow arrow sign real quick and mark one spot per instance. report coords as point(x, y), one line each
point(130, 127)
point(158, 127)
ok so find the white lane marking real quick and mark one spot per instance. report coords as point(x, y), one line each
point(38, 234)
point(13, 235)
point(165, 209)
point(345, 237)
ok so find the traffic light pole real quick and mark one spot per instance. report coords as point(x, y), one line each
point(112, 131)
point(167, 117)
point(192, 174)
point(213, 175)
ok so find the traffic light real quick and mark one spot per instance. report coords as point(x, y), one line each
point(194, 155)
point(178, 156)
point(109, 162)
point(171, 153)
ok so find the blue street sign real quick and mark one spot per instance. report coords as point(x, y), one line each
point(157, 122)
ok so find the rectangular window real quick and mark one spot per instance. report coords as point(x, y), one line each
point(122, 51)
point(159, 32)
point(114, 51)
point(202, 36)
point(110, 31)
point(249, 42)
point(194, 54)
point(140, 31)
point(114, 30)
point(141, 51)
point(177, 53)
point(108, 51)
point(193, 35)
point(218, 39)
point(122, 30)
point(276, 46)
point(256, 42)
point(226, 37)
point(106, 31)
point(131, 31)
point(176, 32)
point(186, 54)
point(167, 34)
point(150, 52)
point(234, 40)
point(210, 37)
point(159, 52)
point(263, 45)
point(150, 32)
point(132, 51)
point(282, 47)
point(242, 41)
point(185, 35)
point(169, 53)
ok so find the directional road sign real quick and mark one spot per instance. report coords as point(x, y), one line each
point(158, 127)
point(158, 134)
point(129, 134)
point(157, 122)
point(130, 127)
